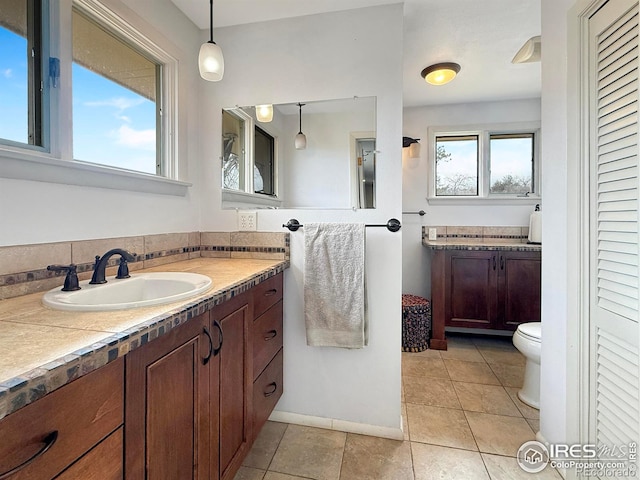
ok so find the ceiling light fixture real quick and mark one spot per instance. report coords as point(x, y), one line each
point(301, 140)
point(210, 59)
point(440, 73)
point(264, 113)
point(530, 52)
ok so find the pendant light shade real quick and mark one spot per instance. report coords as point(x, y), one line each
point(210, 59)
point(440, 73)
point(264, 113)
point(301, 139)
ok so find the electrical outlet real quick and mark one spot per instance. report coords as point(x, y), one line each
point(247, 221)
point(433, 234)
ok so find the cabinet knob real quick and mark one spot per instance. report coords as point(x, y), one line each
point(48, 441)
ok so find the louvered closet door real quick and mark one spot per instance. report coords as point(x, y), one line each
point(614, 251)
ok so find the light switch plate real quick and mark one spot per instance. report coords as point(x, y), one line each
point(433, 234)
point(247, 221)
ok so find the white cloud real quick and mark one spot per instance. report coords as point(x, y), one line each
point(138, 139)
point(7, 73)
point(121, 103)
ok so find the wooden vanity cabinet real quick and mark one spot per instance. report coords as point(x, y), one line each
point(484, 289)
point(167, 429)
point(76, 421)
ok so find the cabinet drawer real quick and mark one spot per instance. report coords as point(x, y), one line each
point(266, 294)
point(266, 334)
point(267, 390)
point(71, 420)
point(103, 462)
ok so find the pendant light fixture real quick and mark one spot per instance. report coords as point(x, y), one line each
point(210, 60)
point(440, 73)
point(264, 113)
point(301, 140)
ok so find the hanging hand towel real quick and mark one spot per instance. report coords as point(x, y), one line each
point(334, 285)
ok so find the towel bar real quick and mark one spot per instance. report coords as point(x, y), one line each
point(422, 213)
point(393, 225)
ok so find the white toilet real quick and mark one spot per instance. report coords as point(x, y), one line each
point(527, 340)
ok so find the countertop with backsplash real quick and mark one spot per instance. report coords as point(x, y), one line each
point(42, 349)
point(480, 238)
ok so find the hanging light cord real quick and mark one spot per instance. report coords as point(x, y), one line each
point(211, 21)
point(300, 105)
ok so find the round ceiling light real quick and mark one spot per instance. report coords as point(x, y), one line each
point(440, 73)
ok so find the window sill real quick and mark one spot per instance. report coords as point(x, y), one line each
point(235, 199)
point(493, 200)
point(42, 168)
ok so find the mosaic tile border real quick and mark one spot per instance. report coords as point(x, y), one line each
point(33, 385)
point(524, 247)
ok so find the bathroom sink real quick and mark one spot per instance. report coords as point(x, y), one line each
point(140, 290)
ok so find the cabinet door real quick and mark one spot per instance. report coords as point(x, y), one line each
point(471, 291)
point(519, 275)
point(234, 317)
point(167, 409)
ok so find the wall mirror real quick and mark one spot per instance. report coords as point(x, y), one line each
point(261, 166)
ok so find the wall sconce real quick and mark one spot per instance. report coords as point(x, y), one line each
point(440, 73)
point(264, 113)
point(531, 51)
point(413, 146)
point(210, 59)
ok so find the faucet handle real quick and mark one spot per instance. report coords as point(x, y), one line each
point(123, 269)
point(71, 283)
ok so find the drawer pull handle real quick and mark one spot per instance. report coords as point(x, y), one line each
point(270, 293)
point(271, 389)
point(271, 334)
point(501, 262)
point(48, 441)
point(206, 359)
point(216, 351)
point(494, 262)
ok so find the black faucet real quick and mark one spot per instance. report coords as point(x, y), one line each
point(100, 266)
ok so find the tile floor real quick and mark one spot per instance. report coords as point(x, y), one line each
point(462, 420)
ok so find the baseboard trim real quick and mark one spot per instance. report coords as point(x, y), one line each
point(339, 425)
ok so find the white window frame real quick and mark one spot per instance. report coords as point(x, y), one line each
point(483, 133)
point(248, 198)
point(55, 164)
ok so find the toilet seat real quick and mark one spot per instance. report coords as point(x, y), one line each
point(531, 331)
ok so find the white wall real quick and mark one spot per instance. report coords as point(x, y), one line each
point(38, 212)
point(416, 120)
point(315, 58)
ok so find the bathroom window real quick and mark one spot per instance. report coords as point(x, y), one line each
point(248, 157)
point(22, 88)
point(490, 162)
point(116, 99)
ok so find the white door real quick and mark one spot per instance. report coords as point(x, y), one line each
point(614, 335)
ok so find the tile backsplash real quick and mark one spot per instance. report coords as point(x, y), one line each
point(479, 234)
point(23, 268)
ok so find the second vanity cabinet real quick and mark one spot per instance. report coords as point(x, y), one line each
point(491, 289)
point(484, 289)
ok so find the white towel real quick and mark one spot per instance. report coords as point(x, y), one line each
point(334, 285)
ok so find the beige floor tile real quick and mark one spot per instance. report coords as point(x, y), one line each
point(405, 424)
point(282, 476)
point(264, 448)
point(509, 375)
point(470, 372)
point(429, 353)
point(534, 424)
point(506, 468)
point(431, 462)
point(485, 398)
point(310, 452)
point(499, 434)
point(439, 426)
point(373, 458)
point(525, 410)
point(420, 366)
point(464, 352)
point(437, 392)
point(248, 473)
point(501, 355)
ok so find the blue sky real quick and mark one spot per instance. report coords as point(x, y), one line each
point(111, 125)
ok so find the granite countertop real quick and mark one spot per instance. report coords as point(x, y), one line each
point(480, 244)
point(43, 349)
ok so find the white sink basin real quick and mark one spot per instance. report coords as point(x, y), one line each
point(140, 290)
